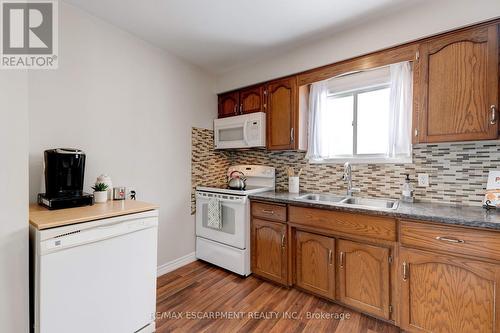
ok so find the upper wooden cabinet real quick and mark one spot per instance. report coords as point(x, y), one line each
point(444, 293)
point(252, 100)
point(315, 263)
point(455, 96)
point(269, 250)
point(229, 104)
point(364, 277)
point(282, 114)
point(244, 101)
point(458, 86)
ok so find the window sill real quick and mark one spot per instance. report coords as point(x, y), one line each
point(364, 160)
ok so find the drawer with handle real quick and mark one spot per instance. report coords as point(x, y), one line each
point(458, 240)
point(269, 211)
point(367, 226)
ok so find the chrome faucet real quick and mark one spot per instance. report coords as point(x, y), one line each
point(347, 176)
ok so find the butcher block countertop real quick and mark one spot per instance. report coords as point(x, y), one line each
point(42, 218)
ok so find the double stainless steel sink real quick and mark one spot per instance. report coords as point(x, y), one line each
point(369, 203)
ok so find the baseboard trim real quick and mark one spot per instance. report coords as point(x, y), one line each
point(176, 263)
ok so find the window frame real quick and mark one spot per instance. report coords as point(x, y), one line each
point(356, 158)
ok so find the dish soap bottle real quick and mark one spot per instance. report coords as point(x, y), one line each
point(407, 190)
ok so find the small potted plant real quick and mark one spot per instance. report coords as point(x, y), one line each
point(100, 192)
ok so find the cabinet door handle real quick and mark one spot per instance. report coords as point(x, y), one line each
point(236, 109)
point(268, 211)
point(493, 119)
point(283, 241)
point(341, 260)
point(241, 108)
point(330, 256)
point(292, 137)
point(405, 271)
point(450, 240)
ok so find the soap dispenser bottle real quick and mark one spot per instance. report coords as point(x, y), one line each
point(407, 190)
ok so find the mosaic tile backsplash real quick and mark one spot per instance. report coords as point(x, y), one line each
point(458, 172)
point(208, 166)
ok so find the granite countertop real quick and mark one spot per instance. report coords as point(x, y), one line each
point(469, 216)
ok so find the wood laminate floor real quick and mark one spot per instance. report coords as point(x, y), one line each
point(200, 297)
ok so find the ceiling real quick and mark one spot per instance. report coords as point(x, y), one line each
point(222, 35)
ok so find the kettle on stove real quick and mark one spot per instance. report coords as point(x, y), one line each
point(237, 181)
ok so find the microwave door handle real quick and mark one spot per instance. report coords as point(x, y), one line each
point(245, 132)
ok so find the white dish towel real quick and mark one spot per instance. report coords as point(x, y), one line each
point(214, 213)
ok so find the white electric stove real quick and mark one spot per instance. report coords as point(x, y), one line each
point(229, 247)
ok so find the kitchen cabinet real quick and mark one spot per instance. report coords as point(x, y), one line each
point(279, 99)
point(455, 96)
point(244, 101)
point(282, 119)
point(341, 223)
point(315, 263)
point(252, 100)
point(423, 276)
point(269, 250)
point(457, 86)
point(269, 212)
point(229, 104)
point(363, 273)
point(447, 293)
point(286, 118)
point(483, 244)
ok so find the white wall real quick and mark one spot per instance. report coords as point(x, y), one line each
point(130, 107)
point(14, 315)
point(423, 20)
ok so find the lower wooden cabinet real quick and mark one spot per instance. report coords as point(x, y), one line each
point(431, 285)
point(363, 272)
point(315, 263)
point(269, 250)
point(444, 293)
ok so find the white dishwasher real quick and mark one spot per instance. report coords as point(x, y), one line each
point(97, 276)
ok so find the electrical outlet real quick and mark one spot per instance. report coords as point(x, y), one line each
point(423, 179)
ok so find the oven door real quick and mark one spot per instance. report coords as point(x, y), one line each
point(235, 219)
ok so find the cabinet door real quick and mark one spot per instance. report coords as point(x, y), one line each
point(314, 263)
point(442, 293)
point(252, 100)
point(229, 104)
point(364, 277)
point(269, 250)
point(282, 116)
point(459, 86)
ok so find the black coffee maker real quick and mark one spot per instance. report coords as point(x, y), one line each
point(64, 175)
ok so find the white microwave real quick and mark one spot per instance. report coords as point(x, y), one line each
point(243, 131)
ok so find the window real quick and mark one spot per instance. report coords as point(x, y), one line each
point(359, 122)
point(358, 119)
